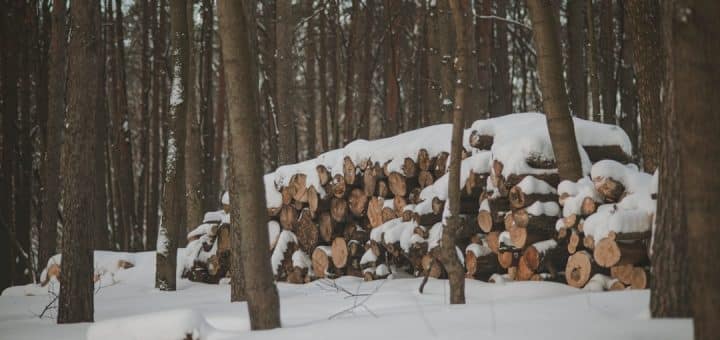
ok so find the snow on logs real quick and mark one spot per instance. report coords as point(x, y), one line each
point(374, 208)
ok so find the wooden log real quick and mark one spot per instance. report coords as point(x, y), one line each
point(600, 282)
point(475, 184)
point(313, 200)
point(580, 267)
point(399, 204)
point(441, 164)
point(575, 242)
point(369, 181)
point(410, 168)
point(323, 174)
point(588, 206)
point(357, 202)
point(508, 258)
point(438, 206)
point(414, 196)
point(339, 186)
point(338, 209)
point(297, 187)
point(382, 189)
point(540, 162)
point(492, 213)
point(611, 190)
point(428, 220)
point(339, 251)
point(388, 214)
point(640, 278)
point(519, 199)
point(425, 178)
point(288, 217)
point(480, 141)
point(423, 160)
point(326, 226)
point(374, 211)
point(432, 267)
point(522, 237)
point(524, 219)
point(493, 241)
point(482, 266)
point(398, 184)
point(308, 234)
point(589, 242)
point(524, 272)
point(623, 273)
point(286, 195)
point(349, 171)
point(609, 253)
point(322, 261)
point(297, 275)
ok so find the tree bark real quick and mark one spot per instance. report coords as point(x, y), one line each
point(209, 181)
point(249, 249)
point(75, 303)
point(333, 56)
point(626, 79)
point(144, 128)
point(193, 147)
point(608, 60)
point(353, 44)
point(284, 31)
point(555, 102)
point(310, 76)
point(448, 254)
point(101, 240)
point(502, 88)
point(484, 34)
point(173, 200)
point(367, 72)
point(322, 74)
point(592, 63)
point(56, 114)
point(693, 72)
point(577, 75)
point(447, 49)
point(392, 69)
point(644, 19)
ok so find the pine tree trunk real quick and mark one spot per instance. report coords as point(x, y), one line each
point(448, 254)
point(472, 90)
point(694, 72)
point(101, 240)
point(392, 69)
point(322, 74)
point(555, 102)
point(592, 63)
point(209, 182)
point(75, 303)
point(644, 19)
point(608, 61)
point(502, 88)
point(56, 114)
point(447, 49)
point(353, 39)
point(220, 127)
point(143, 129)
point(249, 249)
point(310, 76)
point(173, 199)
point(626, 79)
point(577, 75)
point(333, 56)
point(484, 34)
point(287, 148)
point(193, 148)
point(367, 72)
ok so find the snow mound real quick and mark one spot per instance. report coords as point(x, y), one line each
point(170, 325)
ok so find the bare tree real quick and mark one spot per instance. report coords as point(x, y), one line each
point(287, 148)
point(391, 68)
point(555, 102)
point(249, 235)
point(173, 199)
point(76, 282)
point(592, 63)
point(577, 74)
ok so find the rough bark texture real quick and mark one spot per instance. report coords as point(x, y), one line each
point(694, 72)
point(592, 61)
point(484, 35)
point(210, 187)
point(193, 147)
point(502, 88)
point(445, 34)
point(287, 148)
point(56, 114)
point(644, 19)
point(76, 282)
point(432, 89)
point(448, 254)
point(367, 72)
point(608, 60)
point(391, 122)
point(173, 200)
point(311, 77)
point(555, 102)
point(626, 80)
point(353, 44)
point(159, 76)
point(249, 222)
point(101, 239)
point(577, 76)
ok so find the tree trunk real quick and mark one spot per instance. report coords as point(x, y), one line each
point(144, 128)
point(445, 34)
point(367, 72)
point(693, 72)
point(76, 282)
point(220, 127)
point(284, 30)
point(501, 86)
point(333, 40)
point(577, 75)
point(592, 63)
point(448, 254)
point(193, 147)
point(391, 68)
point(310, 77)
point(56, 114)
point(249, 249)
point(208, 129)
point(173, 200)
point(484, 35)
point(555, 102)
point(608, 61)
point(644, 20)
point(626, 79)
point(101, 240)
point(353, 44)
point(322, 73)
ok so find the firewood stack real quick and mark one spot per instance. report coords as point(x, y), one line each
point(346, 213)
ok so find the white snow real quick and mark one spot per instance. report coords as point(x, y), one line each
point(434, 235)
point(634, 181)
point(368, 257)
point(301, 260)
point(532, 185)
point(543, 246)
point(543, 208)
point(200, 230)
point(225, 198)
point(133, 309)
point(279, 252)
point(273, 231)
point(599, 224)
point(478, 249)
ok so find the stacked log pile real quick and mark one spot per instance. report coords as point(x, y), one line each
point(358, 211)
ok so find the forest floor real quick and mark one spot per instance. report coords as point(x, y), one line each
point(128, 307)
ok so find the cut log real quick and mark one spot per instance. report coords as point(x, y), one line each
point(358, 202)
point(493, 241)
point(423, 160)
point(297, 187)
point(491, 214)
point(428, 220)
point(519, 199)
point(410, 168)
point(623, 273)
point(580, 267)
point(432, 267)
point(388, 214)
point(286, 194)
point(588, 207)
point(640, 278)
point(349, 171)
point(312, 200)
point(374, 211)
point(480, 141)
point(307, 233)
point(414, 196)
point(339, 186)
point(597, 153)
point(575, 242)
point(399, 204)
point(288, 217)
point(438, 206)
point(441, 164)
point(369, 181)
point(323, 175)
point(398, 184)
point(475, 184)
point(425, 179)
point(522, 237)
point(480, 266)
point(322, 261)
point(611, 190)
point(509, 258)
point(338, 209)
point(524, 218)
point(339, 251)
point(609, 253)
point(382, 189)
point(326, 227)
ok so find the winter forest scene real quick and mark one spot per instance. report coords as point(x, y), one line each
point(359, 169)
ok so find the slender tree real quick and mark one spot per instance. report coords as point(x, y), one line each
point(249, 236)
point(501, 86)
point(210, 185)
point(644, 21)
point(483, 33)
point(193, 146)
point(608, 61)
point(577, 73)
point(75, 303)
point(626, 80)
point(592, 63)
point(101, 239)
point(310, 76)
point(173, 199)
point(368, 70)
point(555, 102)
point(391, 68)
point(693, 72)
point(351, 55)
point(143, 130)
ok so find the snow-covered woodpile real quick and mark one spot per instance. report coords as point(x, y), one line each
point(374, 208)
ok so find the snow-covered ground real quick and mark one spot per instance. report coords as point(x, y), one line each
point(128, 307)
